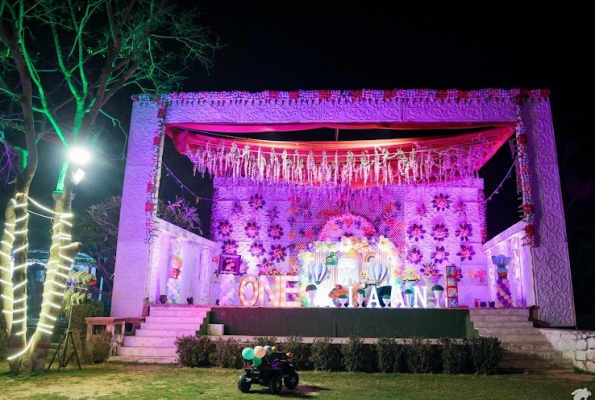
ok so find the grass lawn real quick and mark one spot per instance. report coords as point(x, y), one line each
point(151, 381)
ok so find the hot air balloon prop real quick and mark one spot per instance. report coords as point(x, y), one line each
point(378, 273)
point(319, 272)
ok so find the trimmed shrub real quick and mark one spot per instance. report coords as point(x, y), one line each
point(264, 341)
point(193, 351)
point(392, 357)
point(299, 350)
point(99, 347)
point(422, 357)
point(456, 358)
point(486, 353)
point(227, 354)
point(325, 356)
point(353, 353)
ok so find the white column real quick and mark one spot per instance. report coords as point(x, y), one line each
point(132, 259)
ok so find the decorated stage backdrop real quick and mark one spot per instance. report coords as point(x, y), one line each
point(268, 227)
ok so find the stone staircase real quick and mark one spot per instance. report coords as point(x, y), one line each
point(524, 347)
point(154, 341)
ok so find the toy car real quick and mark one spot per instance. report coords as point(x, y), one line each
point(274, 371)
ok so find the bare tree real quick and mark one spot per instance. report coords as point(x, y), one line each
point(61, 62)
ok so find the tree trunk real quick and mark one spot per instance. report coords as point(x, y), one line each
point(62, 252)
point(6, 298)
point(17, 213)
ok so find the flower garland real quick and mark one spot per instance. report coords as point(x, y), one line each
point(346, 95)
point(524, 181)
point(390, 166)
point(152, 192)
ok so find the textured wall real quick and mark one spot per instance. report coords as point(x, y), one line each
point(553, 282)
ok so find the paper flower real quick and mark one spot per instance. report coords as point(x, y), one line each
point(252, 229)
point(430, 269)
point(464, 231)
point(414, 256)
point(275, 231)
point(229, 247)
point(256, 202)
point(273, 214)
point(440, 255)
point(439, 232)
point(466, 252)
point(416, 232)
point(224, 228)
point(278, 253)
point(256, 249)
point(441, 202)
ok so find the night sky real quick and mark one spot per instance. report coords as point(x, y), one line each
point(294, 45)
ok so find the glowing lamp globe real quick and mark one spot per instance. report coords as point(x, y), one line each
point(79, 156)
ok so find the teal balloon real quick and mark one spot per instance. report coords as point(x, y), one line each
point(256, 361)
point(248, 353)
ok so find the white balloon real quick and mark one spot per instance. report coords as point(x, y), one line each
point(259, 351)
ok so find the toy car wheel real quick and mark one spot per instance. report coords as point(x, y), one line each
point(243, 384)
point(275, 385)
point(292, 380)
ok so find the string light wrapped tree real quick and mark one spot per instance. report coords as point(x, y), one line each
point(60, 87)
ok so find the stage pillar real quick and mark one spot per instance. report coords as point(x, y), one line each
point(132, 257)
point(551, 265)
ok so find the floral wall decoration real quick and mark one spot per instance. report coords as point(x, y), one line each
point(224, 228)
point(256, 249)
point(441, 202)
point(256, 202)
point(416, 232)
point(275, 231)
point(440, 255)
point(278, 253)
point(439, 232)
point(273, 214)
point(460, 209)
point(466, 252)
point(252, 229)
point(464, 231)
point(414, 256)
point(350, 223)
point(229, 247)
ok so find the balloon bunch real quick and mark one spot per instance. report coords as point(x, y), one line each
point(227, 289)
point(173, 290)
point(256, 354)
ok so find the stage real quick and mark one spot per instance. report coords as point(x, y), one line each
point(343, 322)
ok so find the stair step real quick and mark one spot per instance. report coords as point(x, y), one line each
point(532, 355)
point(489, 331)
point(527, 347)
point(149, 341)
point(169, 351)
point(165, 332)
point(498, 318)
point(529, 339)
point(499, 311)
point(144, 359)
point(178, 310)
point(178, 326)
point(174, 320)
point(502, 324)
